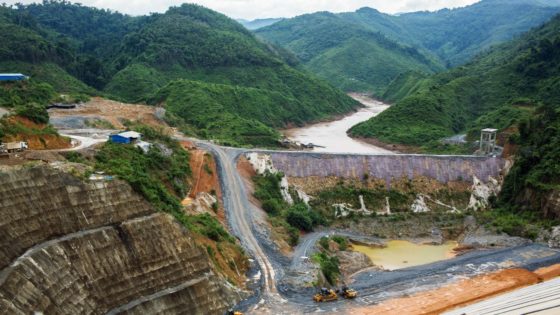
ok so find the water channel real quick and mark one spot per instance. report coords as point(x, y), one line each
point(332, 137)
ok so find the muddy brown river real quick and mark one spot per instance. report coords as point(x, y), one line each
point(332, 135)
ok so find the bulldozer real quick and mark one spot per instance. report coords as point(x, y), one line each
point(325, 295)
point(348, 293)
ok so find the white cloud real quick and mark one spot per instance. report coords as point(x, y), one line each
point(251, 9)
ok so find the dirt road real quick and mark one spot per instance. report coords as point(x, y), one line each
point(239, 215)
point(374, 286)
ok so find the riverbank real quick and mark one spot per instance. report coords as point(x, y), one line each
point(332, 136)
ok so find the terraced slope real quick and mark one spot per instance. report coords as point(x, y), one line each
point(70, 247)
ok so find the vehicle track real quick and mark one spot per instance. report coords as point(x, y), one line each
point(373, 286)
point(239, 207)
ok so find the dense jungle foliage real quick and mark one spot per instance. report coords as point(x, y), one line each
point(366, 49)
point(515, 88)
point(499, 89)
point(346, 54)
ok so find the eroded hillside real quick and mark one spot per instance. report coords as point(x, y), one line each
point(75, 247)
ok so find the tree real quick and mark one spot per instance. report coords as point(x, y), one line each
point(299, 217)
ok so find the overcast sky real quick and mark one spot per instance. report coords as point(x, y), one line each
point(252, 9)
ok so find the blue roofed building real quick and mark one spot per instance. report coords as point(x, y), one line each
point(126, 137)
point(12, 77)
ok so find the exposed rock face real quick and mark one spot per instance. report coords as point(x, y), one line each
point(419, 205)
point(96, 248)
point(551, 205)
point(262, 163)
point(39, 203)
point(481, 193)
point(554, 240)
point(351, 262)
point(478, 236)
point(546, 203)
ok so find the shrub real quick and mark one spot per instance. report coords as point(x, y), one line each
point(299, 219)
point(34, 112)
point(341, 241)
point(324, 242)
point(272, 206)
point(329, 266)
point(293, 236)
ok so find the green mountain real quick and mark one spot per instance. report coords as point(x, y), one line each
point(498, 89)
point(28, 49)
point(345, 53)
point(81, 49)
point(458, 35)
point(516, 88)
point(366, 49)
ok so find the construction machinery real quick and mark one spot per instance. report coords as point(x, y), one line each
point(325, 295)
point(232, 312)
point(348, 293)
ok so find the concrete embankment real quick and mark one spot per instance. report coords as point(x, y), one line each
point(388, 167)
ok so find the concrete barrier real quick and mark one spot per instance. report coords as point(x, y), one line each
point(444, 168)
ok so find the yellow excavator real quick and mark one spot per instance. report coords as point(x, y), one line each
point(232, 312)
point(325, 295)
point(348, 293)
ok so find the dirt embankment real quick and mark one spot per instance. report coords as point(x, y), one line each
point(204, 181)
point(462, 293)
point(107, 114)
point(37, 136)
point(419, 184)
point(278, 233)
point(205, 189)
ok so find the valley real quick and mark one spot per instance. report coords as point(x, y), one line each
point(331, 136)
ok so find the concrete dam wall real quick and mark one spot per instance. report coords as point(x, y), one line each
point(74, 247)
point(387, 167)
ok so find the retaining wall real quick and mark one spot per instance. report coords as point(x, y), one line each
point(388, 167)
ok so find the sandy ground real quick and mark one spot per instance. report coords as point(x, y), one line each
point(112, 112)
point(202, 180)
point(462, 292)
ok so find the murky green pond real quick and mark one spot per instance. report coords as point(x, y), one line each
point(401, 254)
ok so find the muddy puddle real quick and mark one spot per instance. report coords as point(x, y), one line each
point(401, 254)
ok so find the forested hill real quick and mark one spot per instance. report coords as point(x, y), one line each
point(515, 88)
point(498, 89)
point(347, 54)
point(350, 49)
point(458, 35)
point(78, 49)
